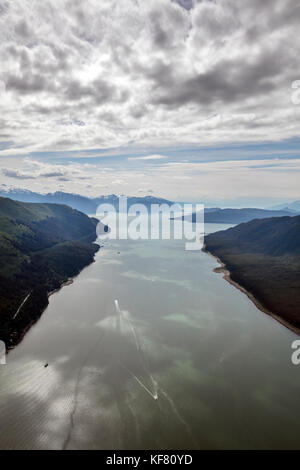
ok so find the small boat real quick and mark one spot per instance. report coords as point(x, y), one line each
point(46, 365)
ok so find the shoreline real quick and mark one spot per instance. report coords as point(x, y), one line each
point(35, 320)
point(68, 282)
point(63, 284)
point(222, 269)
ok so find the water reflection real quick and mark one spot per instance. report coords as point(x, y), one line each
point(182, 360)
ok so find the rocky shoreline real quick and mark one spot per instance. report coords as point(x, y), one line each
point(222, 269)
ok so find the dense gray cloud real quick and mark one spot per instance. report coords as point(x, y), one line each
point(187, 4)
point(83, 75)
point(227, 82)
point(16, 174)
point(21, 175)
point(31, 169)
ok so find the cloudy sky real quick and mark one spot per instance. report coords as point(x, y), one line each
point(185, 99)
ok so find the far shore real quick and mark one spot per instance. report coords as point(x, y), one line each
point(227, 276)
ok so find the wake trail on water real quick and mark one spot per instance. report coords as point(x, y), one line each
point(177, 414)
point(125, 316)
point(153, 395)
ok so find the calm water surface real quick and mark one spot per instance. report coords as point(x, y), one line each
point(182, 360)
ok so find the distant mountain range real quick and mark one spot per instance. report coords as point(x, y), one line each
point(90, 205)
point(263, 256)
point(41, 246)
point(76, 201)
point(291, 206)
point(237, 216)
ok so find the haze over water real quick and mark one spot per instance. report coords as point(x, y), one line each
point(149, 348)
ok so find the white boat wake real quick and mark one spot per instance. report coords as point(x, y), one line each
point(125, 317)
point(153, 395)
point(178, 415)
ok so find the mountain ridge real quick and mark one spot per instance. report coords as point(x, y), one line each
point(41, 247)
point(236, 216)
point(263, 257)
point(76, 201)
point(291, 206)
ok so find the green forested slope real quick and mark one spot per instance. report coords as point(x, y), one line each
point(263, 256)
point(41, 246)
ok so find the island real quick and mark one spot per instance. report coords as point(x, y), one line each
point(262, 258)
point(42, 247)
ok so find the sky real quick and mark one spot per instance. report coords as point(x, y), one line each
point(192, 100)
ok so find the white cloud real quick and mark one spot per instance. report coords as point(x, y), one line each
point(86, 75)
point(149, 157)
point(182, 181)
point(149, 77)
